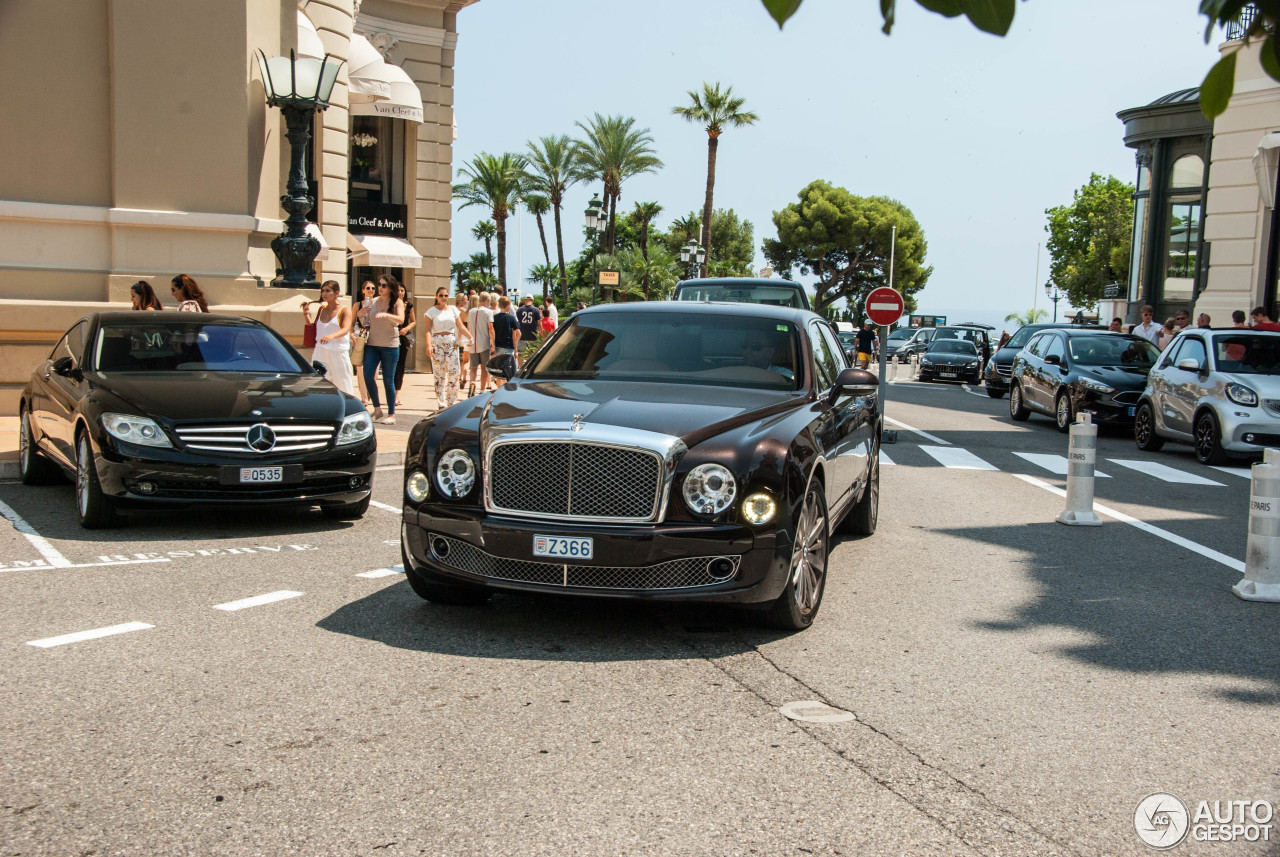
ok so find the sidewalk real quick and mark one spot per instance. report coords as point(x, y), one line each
point(417, 397)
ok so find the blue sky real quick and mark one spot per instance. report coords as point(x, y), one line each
point(977, 135)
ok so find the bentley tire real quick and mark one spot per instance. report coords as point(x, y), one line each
point(798, 605)
point(33, 467)
point(432, 587)
point(1144, 429)
point(1017, 410)
point(861, 518)
point(92, 506)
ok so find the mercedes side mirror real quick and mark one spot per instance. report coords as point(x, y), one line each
point(66, 367)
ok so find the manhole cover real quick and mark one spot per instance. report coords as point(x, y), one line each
point(812, 711)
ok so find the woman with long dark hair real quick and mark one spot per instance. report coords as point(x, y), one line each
point(383, 348)
point(406, 343)
point(333, 337)
point(143, 296)
point(188, 294)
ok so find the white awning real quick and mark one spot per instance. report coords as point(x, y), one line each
point(367, 76)
point(1266, 167)
point(314, 231)
point(382, 251)
point(404, 101)
point(309, 44)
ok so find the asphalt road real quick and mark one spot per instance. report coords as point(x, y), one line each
point(1018, 685)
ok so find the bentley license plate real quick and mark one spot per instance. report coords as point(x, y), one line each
point(563, 547)
point(261, 474)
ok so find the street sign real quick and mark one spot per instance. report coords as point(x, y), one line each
point(884, 306)
point(608, 278)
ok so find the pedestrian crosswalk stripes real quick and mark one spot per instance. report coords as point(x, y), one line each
point(1056, 464)
point(1243, 472)
point(957, 459)
point(885, 459)
point(1163, 472)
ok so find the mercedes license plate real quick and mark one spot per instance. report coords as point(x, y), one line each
point(946, 374)
point(261, 474)
point(563, 547)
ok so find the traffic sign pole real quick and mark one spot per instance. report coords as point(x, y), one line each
point(884, 307)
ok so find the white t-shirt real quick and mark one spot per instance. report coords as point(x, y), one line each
point(555, 313)
point(1150, 332)
point(443, 320)
point(478, 321)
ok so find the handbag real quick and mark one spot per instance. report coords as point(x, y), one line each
point(411, 339)
point(309, 335)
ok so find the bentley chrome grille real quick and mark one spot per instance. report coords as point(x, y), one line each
point(256, 438)
point(683, 573)
point(575, 479)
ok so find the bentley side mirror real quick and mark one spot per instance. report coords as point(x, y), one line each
point(66, 367)
point(320, 367)
point(856, 382)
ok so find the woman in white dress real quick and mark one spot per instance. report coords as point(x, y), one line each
point(333, 337)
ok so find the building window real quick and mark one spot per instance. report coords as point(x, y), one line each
point(1139, 246)
point(377, 160)
point(1187, 172)
point(1181, 248)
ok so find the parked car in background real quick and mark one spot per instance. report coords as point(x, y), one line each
point(696, 452)
point(996, 370)
point(849, 344)
point(745, 290)
point(950, 360)
point(1218, 390)
point(917, 344)
point(978, 334)
point(1063, 372)
point(162, 410)
point(896, 340)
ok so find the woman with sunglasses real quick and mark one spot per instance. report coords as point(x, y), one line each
point(188, 294)
point(143, 296)
point(384, 319)
point(359, 333)
point(447, 327)
point(333, 332)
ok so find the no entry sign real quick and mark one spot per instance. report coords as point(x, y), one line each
point(884, 306)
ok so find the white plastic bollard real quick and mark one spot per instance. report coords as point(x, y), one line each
point(1262, 556)
point(1082, 453)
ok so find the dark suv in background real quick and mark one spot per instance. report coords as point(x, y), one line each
point(995, 373)
point(978, 334)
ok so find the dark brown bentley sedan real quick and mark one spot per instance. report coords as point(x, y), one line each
point(701, 452)
point(152, 410)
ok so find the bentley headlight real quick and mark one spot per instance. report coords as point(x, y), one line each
point(1096, 386)
point(416, 486)
point(355, 428)
point(136, 430)
point(759, 508)
point(709, 489)
point(456, 473)
point(1242, 395)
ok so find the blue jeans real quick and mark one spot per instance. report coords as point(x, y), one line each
point(388, 358)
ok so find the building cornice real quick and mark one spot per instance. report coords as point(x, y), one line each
point(203, 221)
point(435, 37)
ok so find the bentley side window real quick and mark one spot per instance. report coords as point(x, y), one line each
point(824, 365)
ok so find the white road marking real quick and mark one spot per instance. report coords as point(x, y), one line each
point(257, 600)
point(957, 459)
point(923, 434)
point(885, 459)
point(390, 467)
point(1054, 463)
point(1208, 553)
point(1163, 473)
point(383, 572)
point(48, 551)
point(1242, 472)
point(50, 642)
point(385, 507)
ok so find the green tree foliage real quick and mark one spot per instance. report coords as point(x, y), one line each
point(1089, 239)
point(546, 276)
point(553, 168)
point(485, 231)
point(495, 182)
point(996, 16)
point(612, 151)
point(732, 241)
point(1031, 316)
point(713, 109)
point(538, 205)
point(844, 240)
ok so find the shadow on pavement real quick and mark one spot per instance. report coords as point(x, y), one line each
point(1149, 610)
point(545, 628)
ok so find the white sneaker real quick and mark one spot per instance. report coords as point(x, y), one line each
point(388, 420)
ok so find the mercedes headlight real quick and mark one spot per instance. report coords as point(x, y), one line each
point(709, 489)
point(136, 430)
point(1242, 395)
point(1096, 386)
point(416, 486)
point(455, 473)
point(925, 361)
point(759, 508)
point(355, 428)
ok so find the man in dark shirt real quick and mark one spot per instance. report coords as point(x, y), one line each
point(528, 316)
point(506, 337)
point(866, 344)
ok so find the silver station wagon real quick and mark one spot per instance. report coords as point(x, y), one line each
point(1216, 389)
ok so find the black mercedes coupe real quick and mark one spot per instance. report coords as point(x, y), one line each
point(148, 410)
point(664, 450)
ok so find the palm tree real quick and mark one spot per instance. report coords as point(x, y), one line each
point(481, 281)
point(484, 231)
point(494, 181)
point(481, 262)
point(645, 212)
point(714, 109)
point(687, 226)
point(1031, 316)
point(655, 273)
point(553, 169)
point(614, 151)
point(460, 270)
point(538, 205)
point(546, 275)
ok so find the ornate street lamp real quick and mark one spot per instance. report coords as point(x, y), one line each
point(1054, 294)
point(693, 255)
point(300, 87)
point(597, 220)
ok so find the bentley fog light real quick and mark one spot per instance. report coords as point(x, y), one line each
point(455, 473)
point(1241, 395)
point(355, 428)
point(131, 429)
point(759, 509)
point(416, 486)
point(709, 489)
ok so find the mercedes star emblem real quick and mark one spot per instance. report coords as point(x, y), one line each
point(260, 437)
